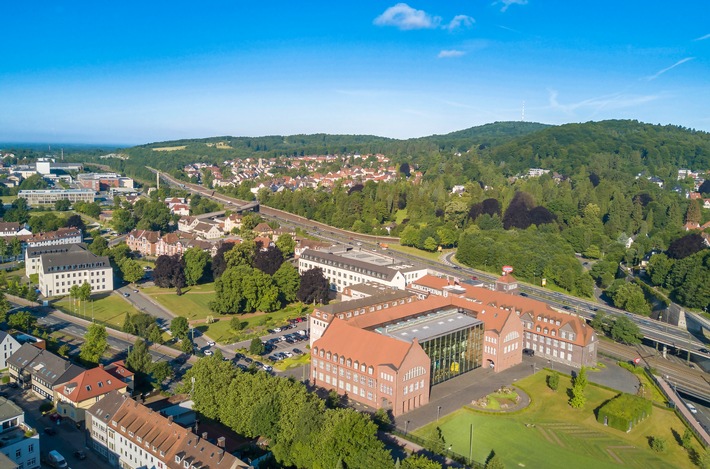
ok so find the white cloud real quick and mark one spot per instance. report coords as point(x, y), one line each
point(404, 17)
point(702, 38)
point(608, 102)
point(661, 72)
point(447, 54)
point(507, 3)
point(460, 21)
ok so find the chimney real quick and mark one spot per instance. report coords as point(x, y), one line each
point(170, 419)
point(220, 442)
point(101, 366)
point(204, 436)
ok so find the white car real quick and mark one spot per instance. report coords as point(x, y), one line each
point(210, 344)
point(209, 353)
point(691, 408)
point(288, 354)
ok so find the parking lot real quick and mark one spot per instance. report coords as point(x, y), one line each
point(280, 343)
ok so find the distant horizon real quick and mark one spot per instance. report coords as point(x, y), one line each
point(120, 72)
point(4, 146)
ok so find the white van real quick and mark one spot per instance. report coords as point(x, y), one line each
point(55, 459)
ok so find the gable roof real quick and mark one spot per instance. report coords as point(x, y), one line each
point(89, 384)
point(43, 364)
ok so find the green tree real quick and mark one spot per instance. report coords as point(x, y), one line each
point(22, 320)
point(658, 444)
point(95, 344)
point(207, 381)
point(84, 291)
point(256, 347)
point(243, 289)
point(288, 281)
point(186, 346)
point(63, 350)
point(179, 327)
point(286, 244)
point(686, 440)
point(62, 205)
point(195, 261)
point(122, 220)
point(160, 371)
point(553, 380)
point(5, 307)
point(626, 331)
point(578, 399)
point(99, 246)
point(581, 378)
point(131, 270)
point(419, 461)
point(155, 335)
point(138, 360)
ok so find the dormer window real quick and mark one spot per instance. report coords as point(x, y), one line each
point(177, 458)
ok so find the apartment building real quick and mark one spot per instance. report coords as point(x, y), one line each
point(55, 238)
point(19, 441)
point(60, 271)
point(130, 435)
point(39, 370)
point(143, 241)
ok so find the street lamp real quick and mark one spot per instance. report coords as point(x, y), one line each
point(438, 411)
point(406, 424)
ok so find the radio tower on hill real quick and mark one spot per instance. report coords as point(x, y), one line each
point(522, 113)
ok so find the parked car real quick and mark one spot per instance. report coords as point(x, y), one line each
point(529, 352)
point(49, 431)
point(210, 344)
point(126, 295)
point(268, 368)
point(297, 351)
point(79, 455)
point(277, 329)
point(209, 353)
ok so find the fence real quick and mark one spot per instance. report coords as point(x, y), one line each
point(426, 444)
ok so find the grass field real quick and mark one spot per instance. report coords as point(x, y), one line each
point(181, 147)
point(434, 256)
point(562, 437)
point(192, 304)
point(110, 309)
point(257, 324)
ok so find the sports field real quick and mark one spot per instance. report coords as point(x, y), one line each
point(551, 434)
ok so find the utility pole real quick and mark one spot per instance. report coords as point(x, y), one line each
point(470, 443)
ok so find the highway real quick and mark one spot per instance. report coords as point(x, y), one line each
point(668, 334)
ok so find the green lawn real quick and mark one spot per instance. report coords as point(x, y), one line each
point(192, 304)
point(562, 437)
point(257, 324)
point(110, 309)
point(401, 215)
point(433, 256)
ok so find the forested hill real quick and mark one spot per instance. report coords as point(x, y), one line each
point(606, 146)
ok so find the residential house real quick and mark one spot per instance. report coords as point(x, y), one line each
point(12, 229)
point(119, 371)
point(207, 230)
point(53, 238)
point(79, 393)
point(233, 221)
point(39, 370)
point(187, 224)
point(143, 241)
point(19, 442)
point(8, 345)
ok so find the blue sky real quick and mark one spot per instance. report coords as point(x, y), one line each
point(136, 72)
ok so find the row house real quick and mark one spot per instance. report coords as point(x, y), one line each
point(39, 370)
point(68, 235)
point(143, 241)
point(129, 434)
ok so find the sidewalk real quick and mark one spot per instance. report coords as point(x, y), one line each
point(680, 405)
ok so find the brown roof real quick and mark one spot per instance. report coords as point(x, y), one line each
point(150, 236)
point(506, 279)
point(367, 347)
point(118, 369)
point(58, 234)
point(263, 228)
point(89, 384)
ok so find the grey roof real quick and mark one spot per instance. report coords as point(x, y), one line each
point(36, 251)
point(107, 407)
point(8, 410)
point(429, 326)
point(351, 305)
point(43, 364)
point(356, 265)
point(73, 261)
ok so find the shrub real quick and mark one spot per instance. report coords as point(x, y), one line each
point(658, 444)
point(553, 380)
point(46, 407)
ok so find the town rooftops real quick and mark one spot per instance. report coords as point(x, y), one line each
point(382, 297)
point(430, 325)
point(73, 261)
point(61, 233)
point(158, 436)
point(359, 261)
point(89, 384)
point(9, 227)
point(43, 364)
point(150, 236)
point(118, 370)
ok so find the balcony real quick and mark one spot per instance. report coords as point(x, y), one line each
point(16, 434)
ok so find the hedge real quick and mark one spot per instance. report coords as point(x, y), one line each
point(624, 411)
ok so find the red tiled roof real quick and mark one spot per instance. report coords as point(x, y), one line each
point(367, 347)
point(89, 384)
point(506, 279)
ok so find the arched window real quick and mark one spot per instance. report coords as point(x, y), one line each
point(322, 353)
point(335, 357)
point(327, 355)
point(370, 370)
point(342, 360)
point(350, 362)
point(362, 368)
point(357, 365)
